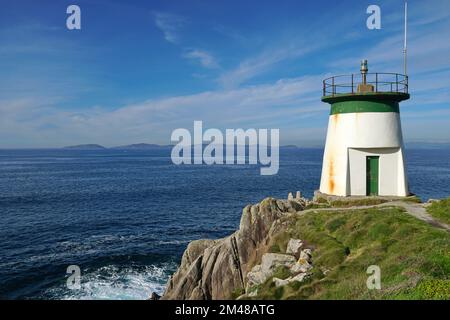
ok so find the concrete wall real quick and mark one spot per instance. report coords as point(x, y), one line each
point(353, 136)
point(389, 171)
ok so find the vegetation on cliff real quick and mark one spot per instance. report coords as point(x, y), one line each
point(413, 255)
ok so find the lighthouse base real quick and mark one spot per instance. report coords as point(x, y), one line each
point(364, 156)
point(365, 172)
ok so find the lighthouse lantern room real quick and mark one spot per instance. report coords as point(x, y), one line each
point(364, 146)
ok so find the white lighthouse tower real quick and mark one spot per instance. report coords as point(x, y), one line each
point(364, 146)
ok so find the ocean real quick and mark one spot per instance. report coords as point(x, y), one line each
point(126, 216)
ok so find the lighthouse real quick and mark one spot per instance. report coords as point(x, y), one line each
point(364, 153)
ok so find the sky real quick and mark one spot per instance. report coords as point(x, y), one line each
point(137, 70)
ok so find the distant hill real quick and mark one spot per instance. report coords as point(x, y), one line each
point(427, 145)
point(140, 146)
point(86, 147)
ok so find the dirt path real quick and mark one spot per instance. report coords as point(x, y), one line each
point(417, 210)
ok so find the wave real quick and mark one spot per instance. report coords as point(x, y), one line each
point(114, 282)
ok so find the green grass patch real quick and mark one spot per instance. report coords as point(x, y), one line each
point(322, 200)
point(236, 293)
point(414, 257)
point(414, 199)
point(367, 201)
point(429, 289)
point(275, 248)
point(440, 210)
point(317, 206)
point(281, 272)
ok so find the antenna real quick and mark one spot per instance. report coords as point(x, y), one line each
point(405, 46)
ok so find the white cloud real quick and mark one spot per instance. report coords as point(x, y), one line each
point(293, 105)
point(428, 62)
point(263, 106)
point(203, 57)
point(260, 64)
point(170, 25)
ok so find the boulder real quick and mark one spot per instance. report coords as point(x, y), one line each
point(280, 282)
point(304, 263)
point(306, 255)
point(254, 293)
point(294, 246)
point(300, 277)
point(270, 261)
point(256, 276)
point(301, 266)
point(155, 296)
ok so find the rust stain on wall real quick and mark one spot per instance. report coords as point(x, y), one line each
point(331, 176)
point(331, 184)
point(335, 120)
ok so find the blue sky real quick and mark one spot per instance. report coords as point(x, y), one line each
point(139, 69)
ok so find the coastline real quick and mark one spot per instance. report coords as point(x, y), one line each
point(259, 260)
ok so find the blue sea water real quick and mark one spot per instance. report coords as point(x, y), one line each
point(125, 216)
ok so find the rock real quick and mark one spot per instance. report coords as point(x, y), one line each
point(324, 270)
point(256, 268)
point(256, 276)
point(299, 200)
point(294, 206)
point(306, 255)
point(301, 266)
point(254, 293)
point(280, 282)
point(304, 263)
point(270, 261)
point(294, 246)
point(194, 250)
point(214, 269)
point(300, 277)
point(155, 296)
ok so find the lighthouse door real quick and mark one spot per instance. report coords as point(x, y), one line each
point(372, 175)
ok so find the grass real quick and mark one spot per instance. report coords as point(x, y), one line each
point(430, 289)
point(440, 210)
point(367, 201)
point(317, 206)
point(236, 293)
point(347, 202)
point(413, 199)
point(413, 256)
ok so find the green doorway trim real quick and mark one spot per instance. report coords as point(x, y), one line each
point(372, 168)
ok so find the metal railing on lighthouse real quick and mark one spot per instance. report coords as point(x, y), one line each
point(381, 82)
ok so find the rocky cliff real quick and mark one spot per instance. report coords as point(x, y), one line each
point(323, 249)
point(218, 269)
